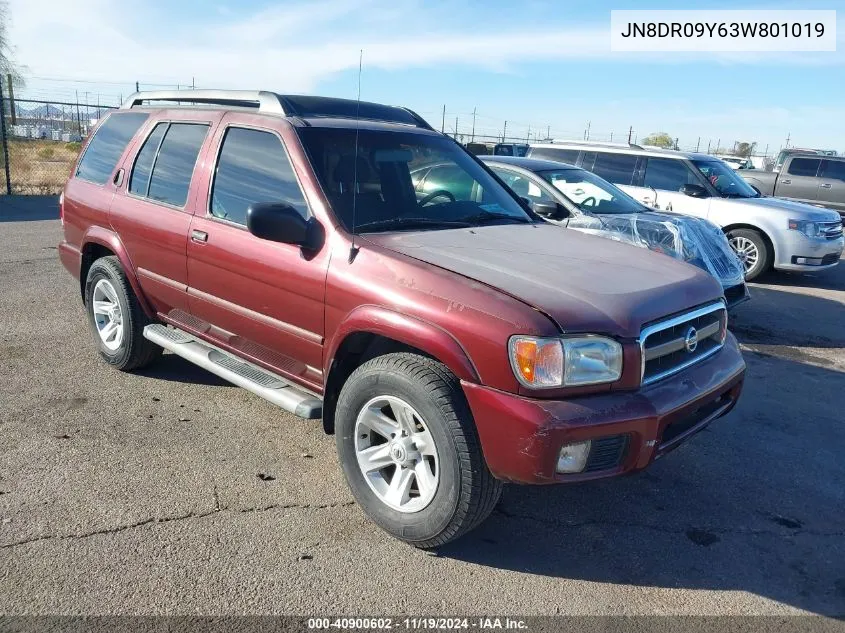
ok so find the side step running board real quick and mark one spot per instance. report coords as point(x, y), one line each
point(237, 371)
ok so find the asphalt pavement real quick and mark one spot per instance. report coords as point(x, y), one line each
point(171, 492)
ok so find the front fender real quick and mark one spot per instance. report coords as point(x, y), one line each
point(110, 240)
point(409, 330)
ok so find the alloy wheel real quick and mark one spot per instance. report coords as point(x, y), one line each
point(396, 454)
point(746, 250)
point(108, 316)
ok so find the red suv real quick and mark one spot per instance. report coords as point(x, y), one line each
point(450, 338)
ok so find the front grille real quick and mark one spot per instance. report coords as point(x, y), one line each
point(669, 346)
point(606, 453)
point(831, 230)
point(830, 258)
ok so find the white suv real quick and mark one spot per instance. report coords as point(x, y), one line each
point(765, 232)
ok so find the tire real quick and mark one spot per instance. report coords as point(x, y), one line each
point(124, 346)
point(465, 492)
point(748, 243)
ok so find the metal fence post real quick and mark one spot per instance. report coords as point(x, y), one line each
point(4, 143)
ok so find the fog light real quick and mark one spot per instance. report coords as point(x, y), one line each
point(801, 260)
point(573, 457)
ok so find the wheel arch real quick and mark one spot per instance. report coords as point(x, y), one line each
point(371, 331)
point(98, 243)
point(752, 227)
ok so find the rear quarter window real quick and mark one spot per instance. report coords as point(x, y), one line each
point(107, 146)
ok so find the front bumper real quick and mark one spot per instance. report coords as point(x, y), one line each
point(813, 253)
point(521, 437)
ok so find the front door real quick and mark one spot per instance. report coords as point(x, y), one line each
point(660, 188)
point(263, 299)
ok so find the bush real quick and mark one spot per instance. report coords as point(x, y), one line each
point(46, 153)
point(74, 146)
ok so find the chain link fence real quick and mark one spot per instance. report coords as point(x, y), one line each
point(39, 142)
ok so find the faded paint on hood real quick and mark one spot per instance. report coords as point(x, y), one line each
point(584, 283)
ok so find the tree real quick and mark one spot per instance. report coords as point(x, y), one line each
point(659, 139)
point(745, 149)
point(7, 63)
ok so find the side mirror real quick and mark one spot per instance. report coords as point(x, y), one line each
point(551, 210)
point(695, 191)
point(279, 222)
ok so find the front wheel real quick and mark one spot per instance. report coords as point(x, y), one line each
point(753, 251)
point(410, 451)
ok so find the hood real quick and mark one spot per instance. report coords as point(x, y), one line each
point(797, 210)
point(694, 240)
point(584, 283)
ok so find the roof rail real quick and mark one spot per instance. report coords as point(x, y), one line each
point(285, 105)
point(598, 144)
point(262, 100)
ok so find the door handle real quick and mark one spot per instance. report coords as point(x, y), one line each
point(199, 236)
point(825, 185)
point(786, 181)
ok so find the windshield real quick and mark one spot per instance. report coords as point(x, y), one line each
point(590, 193)
point(726, 181)
point(405, 181)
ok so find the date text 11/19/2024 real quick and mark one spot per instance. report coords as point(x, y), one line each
point(420, 623)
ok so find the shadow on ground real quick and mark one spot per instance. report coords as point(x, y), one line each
point(176, 369)
point(28, 208)
point(754, 503)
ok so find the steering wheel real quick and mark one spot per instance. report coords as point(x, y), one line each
point(435, 194)
point(586, 200)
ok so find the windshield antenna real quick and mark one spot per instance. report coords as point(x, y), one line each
point(353, 251)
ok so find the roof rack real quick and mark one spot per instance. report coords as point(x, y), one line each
point(284, 105)
point(262, 100)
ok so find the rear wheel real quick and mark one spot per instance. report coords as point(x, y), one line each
point(410, 452)
point(117, 319)
point(753, 251)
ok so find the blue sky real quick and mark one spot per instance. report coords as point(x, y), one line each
point(538, 63)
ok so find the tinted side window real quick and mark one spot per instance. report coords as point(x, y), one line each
point(804, 166)
point(563, 155)
point(105, 149)
point(616, 168)
point(253, 166)
point(667, 174)
point(174, 165)
point(139, 182)
point(834, 169)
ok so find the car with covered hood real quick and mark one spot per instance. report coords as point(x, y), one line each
point(577, 199)
point(766, 233)
point(452, 340)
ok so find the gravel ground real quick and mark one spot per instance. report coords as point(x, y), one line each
point(170, 492)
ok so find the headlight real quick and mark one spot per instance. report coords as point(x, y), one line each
point(564, 362)
point(808, 228)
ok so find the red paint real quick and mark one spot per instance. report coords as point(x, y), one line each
point(456, 295)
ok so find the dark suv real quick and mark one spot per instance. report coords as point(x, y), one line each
point(453, 340)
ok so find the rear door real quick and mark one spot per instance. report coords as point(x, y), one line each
point(262, 299)
point(153, 209)
point(832, 187)
point(799, 181)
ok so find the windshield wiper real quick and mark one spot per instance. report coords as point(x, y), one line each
point(412, 222)
point(491, 216)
